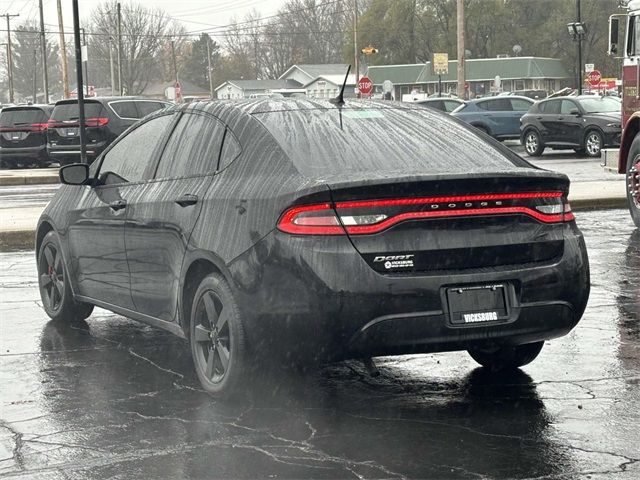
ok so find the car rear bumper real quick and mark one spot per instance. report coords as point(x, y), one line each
point(38, 153)
point(73, 151)
point(318, 296)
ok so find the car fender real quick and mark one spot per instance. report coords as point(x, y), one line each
point(629, 132)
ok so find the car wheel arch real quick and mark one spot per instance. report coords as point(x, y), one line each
point(195, 268)
point(588, 130)
point(44, 228)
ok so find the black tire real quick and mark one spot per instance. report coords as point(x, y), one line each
point(8, 164)
point(533, 143)
point(54, 286)
point(633, 180)
point(507, 357)
point(217, 338)
point(580, 151)
point(593, 143)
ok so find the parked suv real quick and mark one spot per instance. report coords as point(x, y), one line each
point(23, 136)
point(106, 118)
point(496, 116)
point(296, 228)
point(587, 124)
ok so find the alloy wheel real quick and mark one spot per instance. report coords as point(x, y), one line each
point(52, 276)
point(531, 143)
point(593, 144)
point(633, 182)
point(213, 337)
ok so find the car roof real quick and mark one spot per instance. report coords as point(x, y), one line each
point(66, 101)
point(13, 108)
point(504, 97)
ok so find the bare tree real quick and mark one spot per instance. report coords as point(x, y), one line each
point(146, 44)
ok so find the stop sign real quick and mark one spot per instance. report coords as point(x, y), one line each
point(365, 85)
point(594, 78)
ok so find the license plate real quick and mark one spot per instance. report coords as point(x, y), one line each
point(472, 305)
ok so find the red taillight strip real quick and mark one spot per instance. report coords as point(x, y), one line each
point(452, 199)
point(286, 222)
point(378, 227)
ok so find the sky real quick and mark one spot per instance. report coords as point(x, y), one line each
point(196, 15)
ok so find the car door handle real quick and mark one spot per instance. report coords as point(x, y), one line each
point(538, 118)
point(118, 205)
point(187, 199)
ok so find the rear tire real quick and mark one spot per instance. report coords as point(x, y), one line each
point(507, 357)
point(533, 143)
point(217, 338)
point(55, 289)
point(633, 180)
point(593, 143)
point(580, 151)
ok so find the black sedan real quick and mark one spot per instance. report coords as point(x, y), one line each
point(310, 231)
point(586, 124)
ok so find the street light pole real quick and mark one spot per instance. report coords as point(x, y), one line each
point(580, 75)
point(10, 55)
point(43, 47)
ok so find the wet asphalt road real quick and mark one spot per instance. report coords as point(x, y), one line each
point(116, 399)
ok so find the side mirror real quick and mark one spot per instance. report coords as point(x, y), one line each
point(614, 26)
point(574, 111)
point(74, 174)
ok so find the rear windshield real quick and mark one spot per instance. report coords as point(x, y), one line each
point(381, 140)
point(600, 105)
point(69, 111)
point(23, 116)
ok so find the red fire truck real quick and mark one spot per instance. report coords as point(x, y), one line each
point(629, 51)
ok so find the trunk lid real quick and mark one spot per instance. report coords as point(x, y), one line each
point(427, 223)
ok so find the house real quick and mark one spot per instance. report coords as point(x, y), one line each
point(328, 86)
point(235, 89)
point(305, 74)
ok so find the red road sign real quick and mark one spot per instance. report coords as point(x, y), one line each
point(365, 85)
point(178, 90)
point(594, 78)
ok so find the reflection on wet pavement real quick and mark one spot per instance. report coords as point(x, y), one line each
point(111, 398)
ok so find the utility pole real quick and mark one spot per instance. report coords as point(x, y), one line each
point(80, 89)
point(580, 67)
point(10, 55)
point(43, 48)
point(175, 64)
point(119, 13)
point(461, 51)
point(85, 60)
point(111, 67)
point(356, 53)
point(35, 75)
point(63, 52)
point(209, 67)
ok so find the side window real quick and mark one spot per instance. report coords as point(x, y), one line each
point(450, 106)
point(483, 105)
point(520, 105)
point(499, 105)
point(230, 150)
point(567, 106)
point(146, 107)
point(194, 147)
point(124, 109)
point(132, 155)
point(552, 107)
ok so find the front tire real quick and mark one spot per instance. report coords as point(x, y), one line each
point(217, 338)
point(507, 357)
point(633, 180)
point(53, 281)
point(533, 143)
point(593, 143)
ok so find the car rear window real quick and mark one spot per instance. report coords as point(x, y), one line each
point(124, 109)
point(320, 142)
point(69, 111)
point(22, 116)
point(146, 107)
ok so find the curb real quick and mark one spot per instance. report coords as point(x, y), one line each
point(35, 180)
point(25, 239)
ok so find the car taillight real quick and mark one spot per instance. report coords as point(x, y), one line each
point(38, 127)
point(363, 217)
point(96, 121)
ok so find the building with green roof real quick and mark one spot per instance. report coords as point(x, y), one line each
point(516, 73)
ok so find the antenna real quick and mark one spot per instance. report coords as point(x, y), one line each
point(339, 100)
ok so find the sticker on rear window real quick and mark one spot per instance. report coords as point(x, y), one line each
point(362, 114)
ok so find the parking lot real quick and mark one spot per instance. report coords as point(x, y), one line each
point(112, 398)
